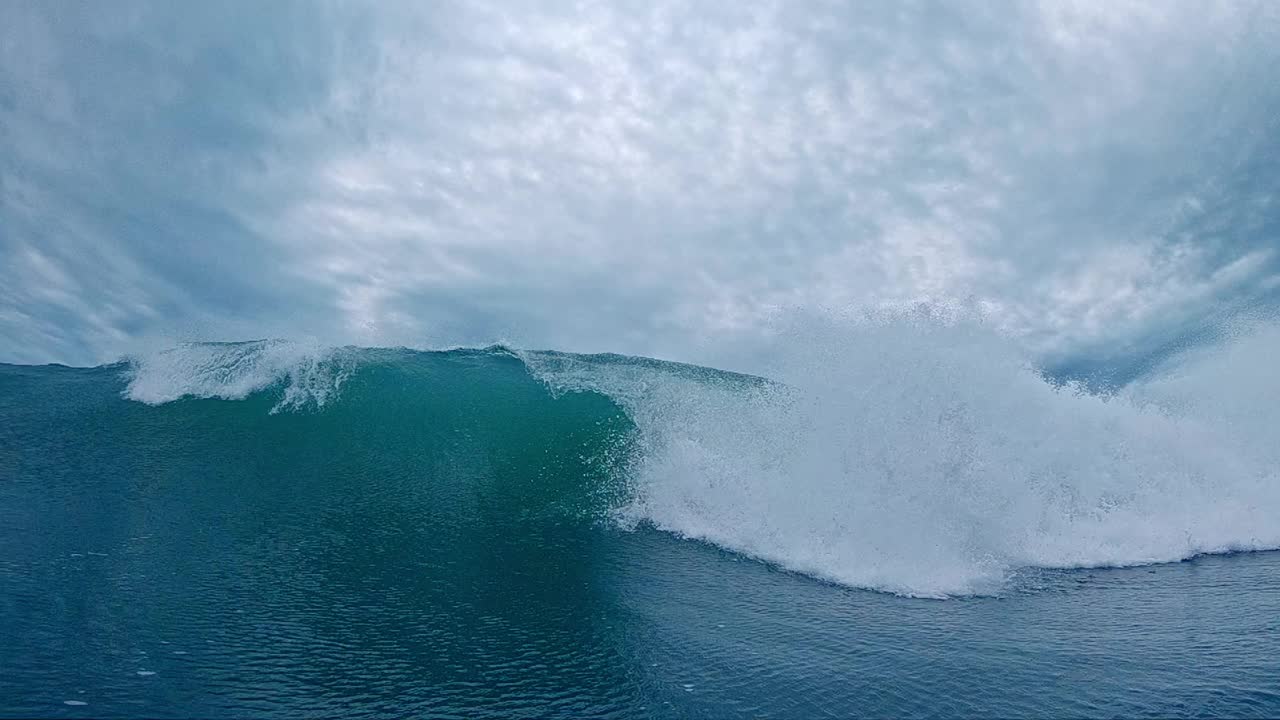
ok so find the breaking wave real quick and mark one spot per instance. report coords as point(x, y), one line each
point(912, 454)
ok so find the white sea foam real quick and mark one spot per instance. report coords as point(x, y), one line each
point(309, 374)
point(926, 456)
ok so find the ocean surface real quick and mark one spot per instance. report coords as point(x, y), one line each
point(928, 528)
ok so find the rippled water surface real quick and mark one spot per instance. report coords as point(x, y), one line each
point(347, 611)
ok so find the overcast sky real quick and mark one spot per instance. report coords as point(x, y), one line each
point(1097, 179)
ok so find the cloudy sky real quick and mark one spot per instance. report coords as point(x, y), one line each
point(1098, 180)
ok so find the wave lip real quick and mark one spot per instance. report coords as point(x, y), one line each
point(309, 374)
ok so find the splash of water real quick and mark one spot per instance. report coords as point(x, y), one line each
point(308, 373)
point(927, 456)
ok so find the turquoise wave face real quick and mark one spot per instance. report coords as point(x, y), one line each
point(471, 429)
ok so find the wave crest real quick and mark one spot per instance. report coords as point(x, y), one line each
point(928, 457)
point(307, 374)
point(917, 454)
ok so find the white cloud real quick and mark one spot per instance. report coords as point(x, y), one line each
point(632, 177)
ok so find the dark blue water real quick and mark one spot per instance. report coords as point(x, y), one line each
point(602, 623)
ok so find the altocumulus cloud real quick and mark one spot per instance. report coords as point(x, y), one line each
point(1097, 179)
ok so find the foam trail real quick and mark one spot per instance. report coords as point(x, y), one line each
point(927, 457)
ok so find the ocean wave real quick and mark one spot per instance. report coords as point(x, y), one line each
point(917, 455)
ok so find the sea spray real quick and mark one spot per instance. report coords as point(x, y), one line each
point(308, 374)
point(927, 455)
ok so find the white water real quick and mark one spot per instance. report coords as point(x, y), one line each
point(309, 373)
point(926, 457)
